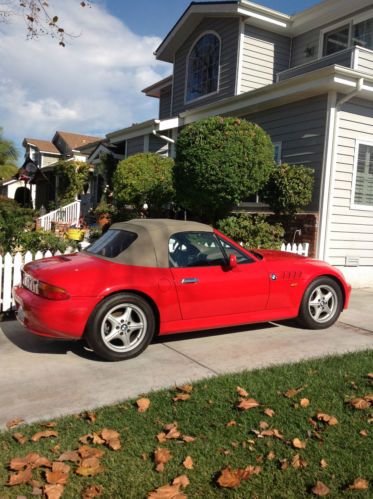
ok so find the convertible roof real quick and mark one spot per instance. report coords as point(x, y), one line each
point(150, 249)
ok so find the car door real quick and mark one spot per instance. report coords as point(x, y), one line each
point(206, 286)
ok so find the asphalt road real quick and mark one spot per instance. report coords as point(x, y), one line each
point(42, 379)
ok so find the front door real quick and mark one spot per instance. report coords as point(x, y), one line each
point(206, 286)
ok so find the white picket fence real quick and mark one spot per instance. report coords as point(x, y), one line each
point(299, 249)
point(69, 214)
point(10, 273)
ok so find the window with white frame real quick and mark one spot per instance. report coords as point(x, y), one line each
point(356, 31)
point(363, 176)
point(203, 67)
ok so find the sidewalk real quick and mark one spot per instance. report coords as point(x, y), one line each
point(43, 379)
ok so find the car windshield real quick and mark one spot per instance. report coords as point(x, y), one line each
point(112, 243)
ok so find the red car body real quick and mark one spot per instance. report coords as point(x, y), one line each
point(270, 288)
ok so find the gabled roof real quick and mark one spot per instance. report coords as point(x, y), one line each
point(155, 89)
point(43, 145)
point(76, 140)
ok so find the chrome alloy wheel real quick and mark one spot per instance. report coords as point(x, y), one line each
point(323, 303)
point(124, 327)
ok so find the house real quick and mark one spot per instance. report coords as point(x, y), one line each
point(46, 154)
point(306, 79)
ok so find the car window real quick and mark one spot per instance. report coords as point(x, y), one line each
point(195, 249)
point(112, 243)
point(232, 250)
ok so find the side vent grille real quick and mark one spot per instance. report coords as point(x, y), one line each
point(291, 275)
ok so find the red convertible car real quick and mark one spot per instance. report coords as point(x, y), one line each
point(166, 276)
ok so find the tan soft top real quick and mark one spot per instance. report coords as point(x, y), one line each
point(150, 249)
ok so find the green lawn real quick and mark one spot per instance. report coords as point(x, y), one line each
point(130, 472)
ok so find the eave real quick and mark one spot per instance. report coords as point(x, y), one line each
point(155, 89)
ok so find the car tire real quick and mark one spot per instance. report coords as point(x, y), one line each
point(321, 304)
point(120, 327)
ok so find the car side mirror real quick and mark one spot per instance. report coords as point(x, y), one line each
point(232, 261)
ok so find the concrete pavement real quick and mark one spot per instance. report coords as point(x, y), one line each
point(43, 379)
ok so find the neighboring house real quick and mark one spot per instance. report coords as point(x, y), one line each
point(306, 79)
point(46, 154)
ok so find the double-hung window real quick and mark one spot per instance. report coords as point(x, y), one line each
point(363, 177)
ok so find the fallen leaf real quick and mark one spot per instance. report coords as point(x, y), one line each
point(271, 455)
point(188, 463)
point(173, 434)
point(86, 439)
point(246, 404)
point(181, 480)
point(20, 438)
point(170, 426)
point(185, 388)
point(161, 437)
point(331, 420)
point(229, 478)
point(188, 439)
point(284, 465)
point(61, 467)
point(370, 375)
point(323, 463)
point(359, 403)
point(304, 403)
point(96, 439)
point(56, 477)
point(246, 473)
point(320, 489)
point(50, 424)
point(359, 484)
point(369, 397)
point(161, 457)
point(89, 467)
point(298, 462)
point(298, 444)
point(294, 391)
point(14, 422)
point(231, 423)
point(90, 416)
point(72, 456)
point(19, 478)
point(32, 460)
point(269, 412)
point(272, 433)
point(56, 449)
point(167, 492)
point(53, 491)
point(92, 491)
point(181, 397)
point(263, 425)
point(143, 404)
point(44, 434)
point(363, 433)
point(242, 392)
point(112, 438)
point(86, 452)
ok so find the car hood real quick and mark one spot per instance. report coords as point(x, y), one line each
point(274, 255)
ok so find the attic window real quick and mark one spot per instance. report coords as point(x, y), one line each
point(203, 67)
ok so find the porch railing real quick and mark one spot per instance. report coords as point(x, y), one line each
point(69, 214)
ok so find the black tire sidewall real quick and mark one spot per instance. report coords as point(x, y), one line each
point(93, 330)
point(305, 318)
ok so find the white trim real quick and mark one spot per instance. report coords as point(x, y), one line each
point(172, 88)
point(204, 33)
point(354, 206)
point(239, 64)
point(167, 124)
point(325, 190)
point(255, 15)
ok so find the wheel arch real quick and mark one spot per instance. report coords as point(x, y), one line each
point(330, 276)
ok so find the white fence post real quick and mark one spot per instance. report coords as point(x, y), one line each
point(299, 249)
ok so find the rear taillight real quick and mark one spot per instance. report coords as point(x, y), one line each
point(52, 292)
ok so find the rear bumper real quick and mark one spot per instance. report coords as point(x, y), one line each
point(54, 319)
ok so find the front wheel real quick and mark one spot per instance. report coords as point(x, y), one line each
point(121, 327)
point(321, 305)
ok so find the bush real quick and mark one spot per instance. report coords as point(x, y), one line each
point(144, 178)
point(289, 188)
point(72, 175)
point(252, 230)
point(43, 241)
point(14, 221)
point(220, 162)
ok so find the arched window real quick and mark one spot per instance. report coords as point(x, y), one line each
point(203, 67)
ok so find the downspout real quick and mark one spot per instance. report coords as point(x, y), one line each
point(326, 216)
point(163, 137)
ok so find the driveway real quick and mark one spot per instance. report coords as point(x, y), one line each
point(43, 379)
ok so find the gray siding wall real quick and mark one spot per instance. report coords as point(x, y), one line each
point(350, 230)
point(228, 30)
point(300, 127)
point(158, 145)
point(135, 145)
point(264, 54)
point(365, 64)
point(165, 103)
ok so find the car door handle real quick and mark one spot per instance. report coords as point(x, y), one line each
point(189, 280)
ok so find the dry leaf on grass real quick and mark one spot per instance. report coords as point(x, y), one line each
point(298, 444)
point(85, 452)
point(92, 491)
point(370, 375)
point(232, 478)
point(161, 437)
point(269, 412)
point(14, 422)
point(231, 423)
point(20, 438)
point(19, 478)
point(181, 480)
point(167, 492)
point(298, 462)
point(32, 460)
point(112, 438)
point(363, 433)
point(331, 420)
point(185, 388)
point(44, 434)
point(56, 477)
point(272, 433)
point(359, 484)
point(161, 457)
point(246, 404)
point(304, 403)
point(271, 455)
point(323, 463)
point(181, 397)
point(143, 404)
point(294, 391)
point(359, 403)
point(50, 424)
point(188, 463)
point(320, 489)
point(242, 392)
point(59, 466)
point(53, 491)
point(90, 466)
point(188, 439)
point(72, 456)
point(263, 425)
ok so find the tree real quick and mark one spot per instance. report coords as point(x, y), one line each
point(220, 162)
point(144, 178)
point(72, 176)
point(39, 18)
point(289, 188)
point(8, 158)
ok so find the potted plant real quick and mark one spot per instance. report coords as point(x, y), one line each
point(104, 212)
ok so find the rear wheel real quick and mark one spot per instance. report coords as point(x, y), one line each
point(321, 305)
point(121, 327)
